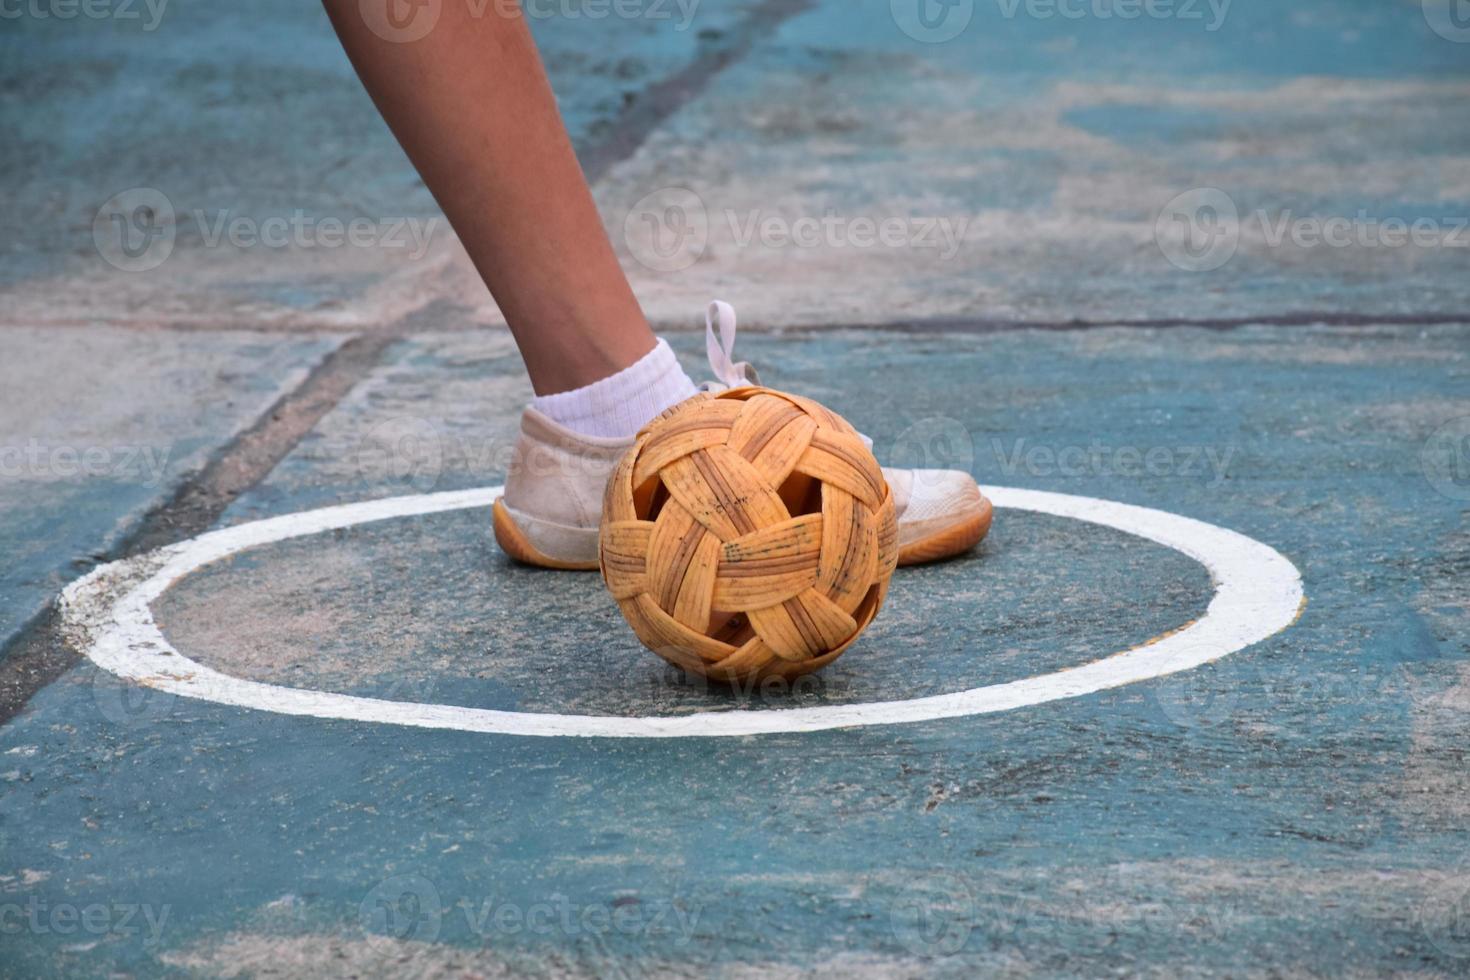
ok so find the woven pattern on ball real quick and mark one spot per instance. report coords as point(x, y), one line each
point(748, 534)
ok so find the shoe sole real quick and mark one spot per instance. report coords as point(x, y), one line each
point(945, 543)
point(514, 542)
point(951, 541)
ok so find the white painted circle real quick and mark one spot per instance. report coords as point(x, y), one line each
point(106, 615)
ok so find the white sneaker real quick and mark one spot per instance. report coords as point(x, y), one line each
point(553, 493)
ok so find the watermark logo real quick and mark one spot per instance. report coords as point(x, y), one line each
point(934, 915)
point(1199, 230)
point(1445, 459)
point(1197, 698)
point(667, 230)
point(405, 451)
point(405, 908)
point(400, 21)
point(933, 444)
point(134, 231)
point(932, 21)
point(1450, 19)
point(129, 705)
point(1445, 915)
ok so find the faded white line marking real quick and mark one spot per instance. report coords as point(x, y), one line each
point(106, 614)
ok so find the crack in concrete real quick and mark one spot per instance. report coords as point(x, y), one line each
point(38, 654)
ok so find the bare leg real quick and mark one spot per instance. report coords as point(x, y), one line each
point(471, 105)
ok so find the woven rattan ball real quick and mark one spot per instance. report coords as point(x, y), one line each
point(748, 535)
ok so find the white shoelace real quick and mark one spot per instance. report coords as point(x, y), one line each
point(721, 350)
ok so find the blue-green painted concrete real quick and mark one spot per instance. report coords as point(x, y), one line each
point(97, 426)
point(248, 114)
point(1052, 146)
point(1298, 807)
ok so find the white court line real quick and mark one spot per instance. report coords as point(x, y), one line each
point(106, 614)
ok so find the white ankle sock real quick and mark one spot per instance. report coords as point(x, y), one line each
point(617, 406)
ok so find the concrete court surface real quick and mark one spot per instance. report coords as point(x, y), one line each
point(1208, 259)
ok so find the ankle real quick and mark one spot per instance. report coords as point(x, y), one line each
point(617, 404)
point(589, 361)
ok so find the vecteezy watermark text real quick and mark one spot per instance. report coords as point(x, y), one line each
point(1210, 13)
point(1202, 229)
point(670, 229)
point(411, 907)
point(832, 230)
point(145, 465)
point(148, 12)
point(558, 915)
point(937, 21)
point(300, 230)
point(37, 917)
point(1099, 459)
point(137, 229)
point(405, 21)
